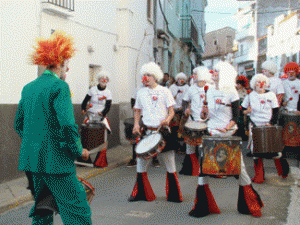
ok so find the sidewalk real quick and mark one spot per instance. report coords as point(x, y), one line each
point(14, 193)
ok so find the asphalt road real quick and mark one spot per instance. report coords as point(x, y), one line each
point(110, 205)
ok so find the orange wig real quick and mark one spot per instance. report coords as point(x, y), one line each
point(54, 50)
point(243, 80)
point(292, 66)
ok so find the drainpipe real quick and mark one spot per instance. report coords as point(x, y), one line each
point(155, 30)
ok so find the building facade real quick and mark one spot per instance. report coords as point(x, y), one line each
point(252, 33)
point(218, 46)
point(118, 36)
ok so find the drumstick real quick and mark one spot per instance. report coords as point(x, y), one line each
point(205, 97)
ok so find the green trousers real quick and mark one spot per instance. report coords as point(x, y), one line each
point(69, 196)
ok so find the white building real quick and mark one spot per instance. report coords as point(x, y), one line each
point(284, 40)
point(113, 35)
point(251, 35)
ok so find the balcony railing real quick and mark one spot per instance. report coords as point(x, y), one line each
point(189, 32)
point(67, 4)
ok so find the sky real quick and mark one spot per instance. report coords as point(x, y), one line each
point(219, 13)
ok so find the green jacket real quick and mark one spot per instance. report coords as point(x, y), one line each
point(45, 122)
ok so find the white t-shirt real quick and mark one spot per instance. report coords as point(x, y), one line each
point(98, 99)
point(261, 105)
point(275, 86)
point(196, 95)
point(220, 114)
point(154, 104)
point(292, 90)
point(178, 93)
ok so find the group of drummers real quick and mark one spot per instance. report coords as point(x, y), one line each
point(209, 115)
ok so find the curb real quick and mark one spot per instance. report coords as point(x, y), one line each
point(28, 197)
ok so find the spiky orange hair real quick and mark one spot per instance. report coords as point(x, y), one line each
point(243, 80)
point(54, 50)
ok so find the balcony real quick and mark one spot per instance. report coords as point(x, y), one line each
point(244, 57)
point(189, 33)
point(60, 7)
point(247, 34)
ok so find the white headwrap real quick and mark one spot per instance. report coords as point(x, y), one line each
point(259, 77)
point(180, 76)
point(227, 77)
point(203, 73)
point(153, 69)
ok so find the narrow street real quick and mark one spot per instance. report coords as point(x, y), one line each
point(110, 205)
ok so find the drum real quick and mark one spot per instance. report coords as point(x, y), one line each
point(267, 139)
point(92, 136)
point(46, 202)
point(291, 128)
point(129, 123)
point(150, 146)
point(222, 155)
point(193, 132)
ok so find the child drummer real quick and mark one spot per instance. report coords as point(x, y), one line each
point(263, 108)
point(223, 113)
point(195, 96)
point(156, 103)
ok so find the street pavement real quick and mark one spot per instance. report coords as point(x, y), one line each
point(114, 185)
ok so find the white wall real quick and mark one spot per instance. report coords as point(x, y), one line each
point(19, 28)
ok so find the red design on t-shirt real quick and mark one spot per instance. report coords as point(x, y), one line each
point(154, 98)
point(202, 96)
point(218, 101)
point(262, 101)
point(296, 91)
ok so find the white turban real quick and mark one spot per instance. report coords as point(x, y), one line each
point(103, 74)
point(202, 73)
point(227, 76)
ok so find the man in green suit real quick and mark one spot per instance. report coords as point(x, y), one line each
point(50, 140)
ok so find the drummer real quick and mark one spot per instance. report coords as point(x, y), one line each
point(242, 85)
point(195, 96)
point(132, 162)
point(156, 103)
point(263, 108)
point(223, 111)
point(292, 88)
point(178, 91)
point(100, 99)
point(269, 69)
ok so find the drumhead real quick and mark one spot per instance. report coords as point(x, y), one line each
point(195, 125)
point(148, 143)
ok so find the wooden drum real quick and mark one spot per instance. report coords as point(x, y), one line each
point(267, 139)
point(291, 128)
point(222, 155)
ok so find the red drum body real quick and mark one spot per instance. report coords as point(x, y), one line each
point(222, 155)
point(267, 139)
point(291, 129)
point(129, 123)
point(92, 137)
point(193, 132)
point(150, 146)
point(89, 189)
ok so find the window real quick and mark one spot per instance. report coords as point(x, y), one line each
point(242, 50)
point(149, 9)
point(215, 42)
